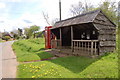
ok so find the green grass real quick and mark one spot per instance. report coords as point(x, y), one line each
point(29, 50)
point(65, 67)
point(71, 67)
point(1, 40)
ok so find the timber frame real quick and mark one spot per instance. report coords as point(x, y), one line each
point(89, 34)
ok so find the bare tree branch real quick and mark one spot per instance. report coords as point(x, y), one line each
point(46, 17)
point(77, 9)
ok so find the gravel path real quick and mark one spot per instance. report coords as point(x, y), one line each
point(9, 62)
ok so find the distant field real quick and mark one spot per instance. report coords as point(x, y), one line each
point(66, 67)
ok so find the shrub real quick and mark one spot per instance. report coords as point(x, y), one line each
point(6, 38)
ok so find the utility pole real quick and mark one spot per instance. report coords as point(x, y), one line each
point(60, 9)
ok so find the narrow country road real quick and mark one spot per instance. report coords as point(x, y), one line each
point(9, 62)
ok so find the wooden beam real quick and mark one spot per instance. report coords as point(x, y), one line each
point(72, 39)
point(60, 37)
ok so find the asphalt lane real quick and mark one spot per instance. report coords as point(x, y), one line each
point(9, 62)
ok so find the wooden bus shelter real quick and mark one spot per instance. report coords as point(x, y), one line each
point(89, 34)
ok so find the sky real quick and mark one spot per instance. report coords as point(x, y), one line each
point(16, 14)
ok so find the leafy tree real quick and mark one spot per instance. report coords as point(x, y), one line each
point(19, 32)
point(15, 34)
point(27, 32)
point(6, 38)
point(119, 15)
point(33, 29)
point(110, 9)
point(39, 34)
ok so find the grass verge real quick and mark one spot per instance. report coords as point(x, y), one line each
point(30, 50)
point(71, 67)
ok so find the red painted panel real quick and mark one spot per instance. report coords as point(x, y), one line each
point(48, 36)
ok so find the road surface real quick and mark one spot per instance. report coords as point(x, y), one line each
point(9, 62)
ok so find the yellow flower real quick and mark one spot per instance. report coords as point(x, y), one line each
point(33, 76)
point(43, 64)
point(60, 74)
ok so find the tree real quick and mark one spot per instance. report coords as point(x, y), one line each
point(27, 33)
point(47, 19)
point(15, 34)
point(110, 9)
point(19, 32)
point(33, 29)
point(6, 38)
point(119, 15)
point(77, 9)
point(54, 21)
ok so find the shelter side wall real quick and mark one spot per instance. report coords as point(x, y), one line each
point(106, 37)
point(107, 33)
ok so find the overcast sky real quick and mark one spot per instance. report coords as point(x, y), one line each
point(24, 13)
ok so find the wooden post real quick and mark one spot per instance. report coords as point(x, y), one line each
point(91, 47)
point(72, 39)
point(88, 47)
point(60, 37)
point(95, 48)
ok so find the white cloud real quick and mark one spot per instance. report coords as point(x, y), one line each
point(36, 19)
point(48, 6)
point(18, 0)
point(2, 5)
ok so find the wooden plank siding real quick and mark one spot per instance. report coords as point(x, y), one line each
point(88, 34)
point(107, 33)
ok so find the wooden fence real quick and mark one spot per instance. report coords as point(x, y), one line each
point(56, 43)
point(88, 47)
point(85, 47)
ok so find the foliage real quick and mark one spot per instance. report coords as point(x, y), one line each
point(19, 32)
point(1, 40)
point(6, 38)
point(39, 34)
point(31, 31)
point(64, 67)
point(29, 50)
point(110, 9)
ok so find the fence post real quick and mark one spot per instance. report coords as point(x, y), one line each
point(91, 47)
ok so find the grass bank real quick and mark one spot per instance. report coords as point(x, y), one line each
point(29, 50)
point(71, 67)
point(66, 67)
